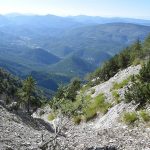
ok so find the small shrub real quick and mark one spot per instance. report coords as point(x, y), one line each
point(90, 113)
point(145, 115)
point(51, 117)
point(77, 119)
point(88, 98)
point(138, 92)
point(118, 86)
point(116, 97)
point(98, 104)
point(140, 89)
point(84, 88)
point(130, 117)
point(137, 61)
point(92, 91)
point(145, 73)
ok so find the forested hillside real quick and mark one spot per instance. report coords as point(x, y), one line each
point(137, 53)
point(18, 94)
point(56, 49)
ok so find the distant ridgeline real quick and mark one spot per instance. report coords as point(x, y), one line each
point(56, 49)
point(137, 53)
point(18, 94)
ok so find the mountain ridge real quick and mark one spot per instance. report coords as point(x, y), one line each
point(93, 44)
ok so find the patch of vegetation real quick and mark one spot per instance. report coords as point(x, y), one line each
point(51, 117)
point(116, 96)
point(98, 104)
point(88, 98)
point(84, 88)
point(92, 91)
point(77, 119)
point(145, 115)
point(90, 113)
point(130, 117)
point(102, 106)
point(67, 101)
point(8, 85)
point(29, 95)
point(120, 85)
point(140, 89)
point(25, 92)
point(83, 107)
point(137, 61)
point(70, 91)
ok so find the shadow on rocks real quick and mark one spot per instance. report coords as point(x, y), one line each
point(37, 124)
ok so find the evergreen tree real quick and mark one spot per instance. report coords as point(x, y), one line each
point(27, 92)
point(145, 73)
point(72, 89)
point(139, 91)
point(137, 45)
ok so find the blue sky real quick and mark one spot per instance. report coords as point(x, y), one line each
point(106, 8)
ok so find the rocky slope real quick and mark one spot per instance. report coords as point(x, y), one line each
point(105, 132)
point(108, 132)
point(21, 132)
point(119, 77)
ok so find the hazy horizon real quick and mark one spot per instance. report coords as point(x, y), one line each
point(139, 9)
point(33, 14)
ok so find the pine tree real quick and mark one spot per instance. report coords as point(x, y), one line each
point(27, 91)
point(140, 89)
point(145, 73)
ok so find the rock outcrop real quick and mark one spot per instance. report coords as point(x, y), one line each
point(119, 77)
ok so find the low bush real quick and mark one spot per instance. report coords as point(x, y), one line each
point(77, 119)
point(100, 104)
point(116, 97)
point(51, 117)
point(145, 115)
point(90, 113)
point(138, 92)
point(140, 89)
point(136, 61)
point(96, 105)
point(120, 85)
point(88, 98)
point(84, 88)
point(130, 117)
point(92, 91)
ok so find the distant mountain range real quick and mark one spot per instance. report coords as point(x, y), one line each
point(104, 20)
point(54, 49)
